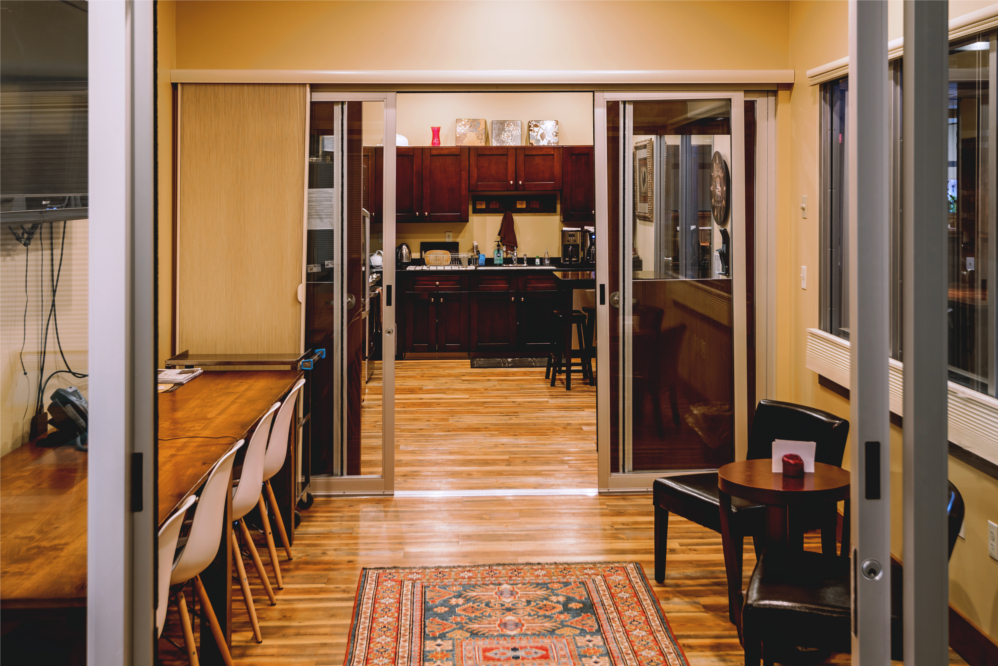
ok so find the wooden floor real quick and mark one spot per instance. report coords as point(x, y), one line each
point(459, 428)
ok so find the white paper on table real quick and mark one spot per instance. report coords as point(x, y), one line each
point(805, 450)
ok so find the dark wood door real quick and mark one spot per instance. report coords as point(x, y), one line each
point(535, 323)
point(408, 184)
point(451, 311)
point(420, 322)
point(445, 184)
point(493, 321)
point(578, 197)
point(538, 168)
point(493, 169)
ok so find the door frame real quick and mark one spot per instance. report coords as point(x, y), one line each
point(642, 481)
point(383, 484)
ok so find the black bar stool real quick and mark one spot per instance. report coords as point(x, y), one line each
point(562, 354)
point(590, 331)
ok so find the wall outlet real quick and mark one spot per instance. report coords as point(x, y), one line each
point(803, 277)
point(803, 207)
point(449, 236)
point(993, 540)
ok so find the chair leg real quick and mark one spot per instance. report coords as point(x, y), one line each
point(731, 542)
point(828, 524)
point(758, 545)
point(582, 351)
point(216, 630)
point(555, 367)
point(661, 542)
point(185, 622)
point(846, 525)
point(280, 521)
point(271, 547)
point(257, 562)
point(547, 370)
point(753, 653)
point(674, 403)
point(244, 584)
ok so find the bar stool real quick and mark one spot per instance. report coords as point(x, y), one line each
point(200, 549)
point(247, 495)
point(562, 347)
point(590, 331)
point(277, 452)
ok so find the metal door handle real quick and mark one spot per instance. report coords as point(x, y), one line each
point(615, 300)
point(351, 301)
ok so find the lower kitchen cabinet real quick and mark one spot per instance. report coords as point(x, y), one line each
point(436, 322)
point(535, 322)
point(493, 322)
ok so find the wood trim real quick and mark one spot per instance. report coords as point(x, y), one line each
point(491, 77)
point(959, 27)
point(973, 416)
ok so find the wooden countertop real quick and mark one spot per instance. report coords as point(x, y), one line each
point(43, 492)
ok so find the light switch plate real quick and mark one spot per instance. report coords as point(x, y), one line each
point(993, 540)
point(803, 207)
point(803, 277)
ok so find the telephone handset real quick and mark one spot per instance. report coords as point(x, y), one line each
point(70, 413)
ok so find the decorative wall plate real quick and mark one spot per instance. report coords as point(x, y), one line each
point(720, 183)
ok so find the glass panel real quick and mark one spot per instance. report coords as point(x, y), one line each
point(44, 271)
point(343, 296)
point(835, 204)
point(969, 219)
point(673, 344)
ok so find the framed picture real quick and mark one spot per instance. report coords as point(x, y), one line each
point(507, 133)
point(644, 180)
point(542, 132)
point(470, 132)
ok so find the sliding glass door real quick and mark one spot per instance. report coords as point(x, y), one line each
point(349, 311)
point(676, 283)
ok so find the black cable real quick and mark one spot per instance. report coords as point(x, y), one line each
point(78, 375)
point(24, 321)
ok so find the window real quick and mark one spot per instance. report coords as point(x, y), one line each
point(971, 219)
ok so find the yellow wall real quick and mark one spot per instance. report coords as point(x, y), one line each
point(166, 59)
point(818, 35)
point(482, 35)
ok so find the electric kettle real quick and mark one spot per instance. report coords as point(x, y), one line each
point(403, 255)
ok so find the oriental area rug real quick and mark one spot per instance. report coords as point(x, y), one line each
point(584, 614)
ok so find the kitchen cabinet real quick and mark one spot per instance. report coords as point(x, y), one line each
point(538, 168)
point(445, 184)
point(493, 169)
point(373, 199)
point(420, 323)
point(436, 314)
point(578, 196)
point(493, 321)
point(408, 184)
point(537, 299)
point(451, 311)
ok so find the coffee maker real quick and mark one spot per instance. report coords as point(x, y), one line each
point(571, 245)
point(589, 245)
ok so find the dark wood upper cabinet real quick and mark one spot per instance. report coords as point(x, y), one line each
point(408, 184)
point(578, 199)
point(493, 169)
point(374, 165)
point(538, 168)
point(445, 184)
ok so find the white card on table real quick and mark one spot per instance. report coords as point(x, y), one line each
point(805, 450)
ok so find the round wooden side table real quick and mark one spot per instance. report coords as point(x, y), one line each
point(755, 481)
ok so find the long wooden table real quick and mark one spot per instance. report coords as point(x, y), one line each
point(43, 491)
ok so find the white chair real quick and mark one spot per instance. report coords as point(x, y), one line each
point(248, 494)
point(168, 536)
point(277, 453)
point(201, 548)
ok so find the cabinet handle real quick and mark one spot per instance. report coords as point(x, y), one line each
point(432, 301)
point(438, 284)
point(510, 182)
point(512, 299)
point(417, 213)
point(521, 299)
point(521, 182)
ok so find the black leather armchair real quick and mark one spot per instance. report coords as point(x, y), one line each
point(696, 496)
point(803, 600)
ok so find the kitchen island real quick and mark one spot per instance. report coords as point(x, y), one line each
point(479, 312)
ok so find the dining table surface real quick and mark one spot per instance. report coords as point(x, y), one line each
point(43, 490)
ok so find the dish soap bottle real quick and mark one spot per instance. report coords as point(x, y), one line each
point(497, 255)
point(547, 258)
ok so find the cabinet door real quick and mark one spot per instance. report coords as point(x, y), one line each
point(452, 321)
point(493, 169)
point(493, 321)
point(535, 323)
point(538, 168)
point(374, 160)
point(420, 322)
point(445, 184)
point(578, 199)
point(408, 184)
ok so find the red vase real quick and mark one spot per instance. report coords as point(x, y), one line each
point(436, 136)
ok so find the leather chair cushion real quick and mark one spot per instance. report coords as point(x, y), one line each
point(700, 499)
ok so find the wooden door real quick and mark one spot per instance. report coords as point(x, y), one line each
point(493, 169)
point(408, 184)
point(538, 168)
point(420, 322)
point(445, 184)
point(578, 196)
point(452, 321)
point(493, 321)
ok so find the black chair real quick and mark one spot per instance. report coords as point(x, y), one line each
point(697, 498)
point(803, 600)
